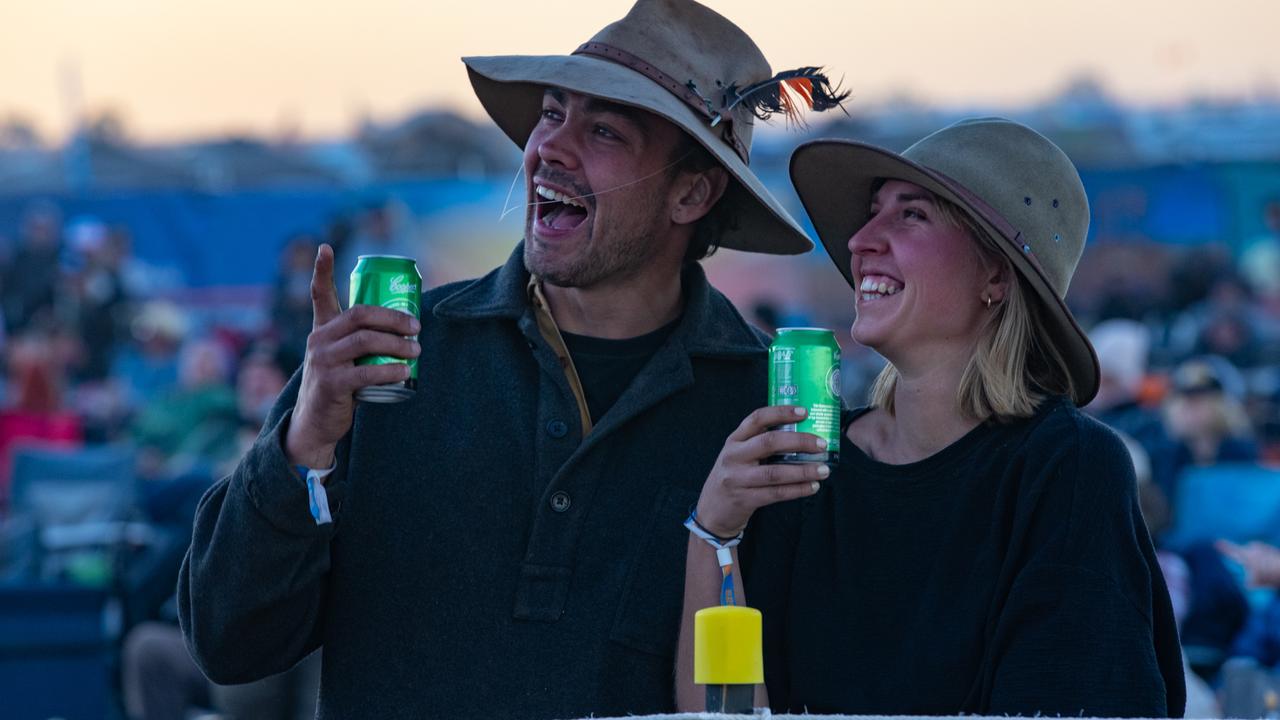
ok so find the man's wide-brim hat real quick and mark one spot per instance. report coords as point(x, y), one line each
point(676, 59)
point(1019, 187)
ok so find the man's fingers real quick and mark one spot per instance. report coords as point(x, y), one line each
point(369, 342)
point(349, 380)
point(365, 317)
point(324, 294)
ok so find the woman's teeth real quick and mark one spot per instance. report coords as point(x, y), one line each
point(872, 288)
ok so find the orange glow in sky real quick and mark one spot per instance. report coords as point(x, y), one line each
point(204, 67)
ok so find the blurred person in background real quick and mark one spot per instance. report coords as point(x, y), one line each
point(1225, 320)
point(161, 680)
point(100, 300)
point(1201, 702)
point(193, 427)
point(1123, 347)
point(518, 519)
point(1259, 639)
point(291, 294)
point(1206, 424)
point(1232, 324)
point(30, 286)
point(147, 366)
point(35, 410)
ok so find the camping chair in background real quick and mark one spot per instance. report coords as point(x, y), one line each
point(63, 545)
point(70, 510)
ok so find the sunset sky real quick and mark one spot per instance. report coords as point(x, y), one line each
point(179, 69)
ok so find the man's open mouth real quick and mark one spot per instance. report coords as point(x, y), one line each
point(557, 210)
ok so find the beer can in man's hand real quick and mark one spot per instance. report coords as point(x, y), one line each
point(804, 370)
point(390, 281)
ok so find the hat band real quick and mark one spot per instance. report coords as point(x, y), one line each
point(683, 91)
point(1006, 229)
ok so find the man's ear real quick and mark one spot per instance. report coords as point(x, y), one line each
point(697, 193)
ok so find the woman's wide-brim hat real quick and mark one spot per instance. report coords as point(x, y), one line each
point(676, 59)
point(1013, 182)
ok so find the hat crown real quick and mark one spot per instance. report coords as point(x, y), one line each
point(1025, 178)
point(692, 43)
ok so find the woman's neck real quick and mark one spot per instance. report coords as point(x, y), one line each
point(926, 417)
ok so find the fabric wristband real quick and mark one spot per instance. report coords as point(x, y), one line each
point(315, 491)
point(723, 556)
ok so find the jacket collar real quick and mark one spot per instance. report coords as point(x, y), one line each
point(710, 325)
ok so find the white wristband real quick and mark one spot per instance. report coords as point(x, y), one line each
point(316, 494)
point(722, 546)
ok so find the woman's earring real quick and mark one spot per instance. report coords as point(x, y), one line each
point(988, 302)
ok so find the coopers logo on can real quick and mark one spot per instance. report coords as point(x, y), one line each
point(401, 285)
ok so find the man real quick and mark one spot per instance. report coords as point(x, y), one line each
point(508, 542)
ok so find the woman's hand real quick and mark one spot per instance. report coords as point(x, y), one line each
point(739, 483)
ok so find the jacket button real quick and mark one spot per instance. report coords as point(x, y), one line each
point(560, 501)
point(557, 429)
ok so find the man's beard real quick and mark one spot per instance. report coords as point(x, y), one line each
point(623, 257)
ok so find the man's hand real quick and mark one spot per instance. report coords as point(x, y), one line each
point(326, 400)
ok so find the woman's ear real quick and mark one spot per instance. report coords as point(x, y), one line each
point(999, 275)
point(697, 193)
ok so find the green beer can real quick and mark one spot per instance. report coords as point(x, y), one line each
point(393, 282)
point(804, 370)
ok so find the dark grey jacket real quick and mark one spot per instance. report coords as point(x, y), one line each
point(484, 560)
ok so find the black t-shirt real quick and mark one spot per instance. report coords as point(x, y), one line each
point(606, 367)
point(1010, 573)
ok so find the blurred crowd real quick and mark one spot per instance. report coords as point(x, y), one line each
point(96, 354)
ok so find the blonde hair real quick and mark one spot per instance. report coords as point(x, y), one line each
point(1014, 364)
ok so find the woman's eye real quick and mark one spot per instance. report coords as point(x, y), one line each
point(914, 214)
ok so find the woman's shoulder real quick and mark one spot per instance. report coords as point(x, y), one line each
point(1075, 455)
point(1061, 426)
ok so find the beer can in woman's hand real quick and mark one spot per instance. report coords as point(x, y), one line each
point(804, 370)
point(390, 281)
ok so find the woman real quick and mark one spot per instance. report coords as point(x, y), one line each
point(979, 549)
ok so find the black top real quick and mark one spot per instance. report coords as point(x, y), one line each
point(606, 367)
point(1010, 573)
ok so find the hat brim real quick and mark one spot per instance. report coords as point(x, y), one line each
point(834, 179)
point(511, 86)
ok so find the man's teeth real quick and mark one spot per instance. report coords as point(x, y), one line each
point(549, 194)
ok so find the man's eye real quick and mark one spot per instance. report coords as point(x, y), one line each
point(550, 114)
point(606, 132)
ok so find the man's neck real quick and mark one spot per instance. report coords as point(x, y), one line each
point(620, 309)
